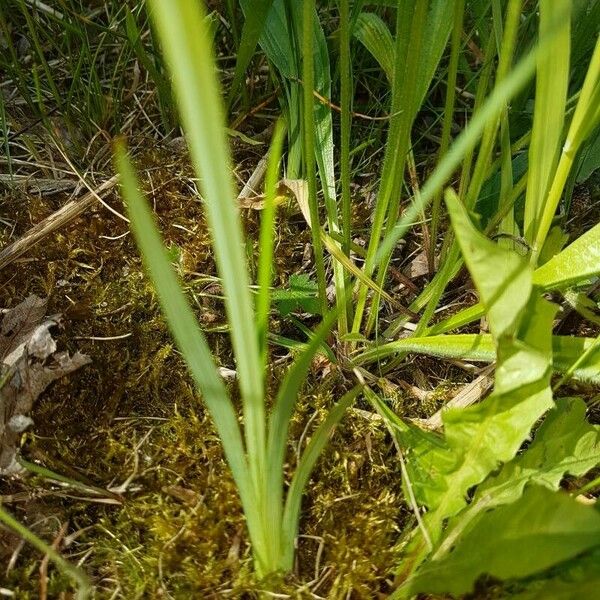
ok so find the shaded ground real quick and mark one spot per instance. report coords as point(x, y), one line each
point(132, 423)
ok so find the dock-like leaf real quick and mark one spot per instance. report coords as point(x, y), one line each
point(539, 531)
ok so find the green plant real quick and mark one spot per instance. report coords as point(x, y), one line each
point(256, 458)
point(481, 442)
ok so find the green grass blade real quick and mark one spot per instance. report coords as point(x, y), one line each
point(186, 43)
point(279, 422)
point(345, 158)
point(266, 240)
point(308, 76)
point(580, 260)
point(585, 119)
point(184, 327)
point(480, 348)
point(455, 45)
point(84, 588)
point(372, 32)
point(464, 143)
point(307, 462)
point(549, 114)
point(251, 32)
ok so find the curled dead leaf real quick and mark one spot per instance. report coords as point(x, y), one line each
point(29, 364)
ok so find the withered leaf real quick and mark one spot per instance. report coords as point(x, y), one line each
point(29, 364)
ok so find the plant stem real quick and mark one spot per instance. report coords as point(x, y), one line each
point(308, 76)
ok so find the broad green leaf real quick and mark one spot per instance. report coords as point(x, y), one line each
point(565, 444)
point(577, 579)
point(491, 432)
point(300, 295)
point(502, 277)
point(482, 436)
point(428, 457)
point(540, 530)
point(480, 348)
point(578, 261)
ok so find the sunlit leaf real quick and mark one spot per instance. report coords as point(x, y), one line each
point(538, 531)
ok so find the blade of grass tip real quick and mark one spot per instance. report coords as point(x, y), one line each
point(465, 142)
point(184, 327)
point(585, 119)
point(308, 11)
point(84, 589)
point(307, 462)
point(253, 27)
point(266, 240)
point(455, 48)
point(279, 421)
point(187, 46)
point(551, 87)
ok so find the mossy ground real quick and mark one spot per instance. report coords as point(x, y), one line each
point(132, 421)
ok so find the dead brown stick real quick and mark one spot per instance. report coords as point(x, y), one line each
point(468, 394)
point(50, 224)
point(44, 564)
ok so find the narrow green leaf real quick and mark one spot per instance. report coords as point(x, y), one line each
point(550, 103)
point(307, 462)
point(372, 32)
point(189, 54)
point(279, 422)
point(84, 588)
point(253, 27)
point(184, 327)
point(480, 348)
point(267, 240)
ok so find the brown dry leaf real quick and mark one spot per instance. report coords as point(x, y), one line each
point(419, 266)
point(29, 364)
